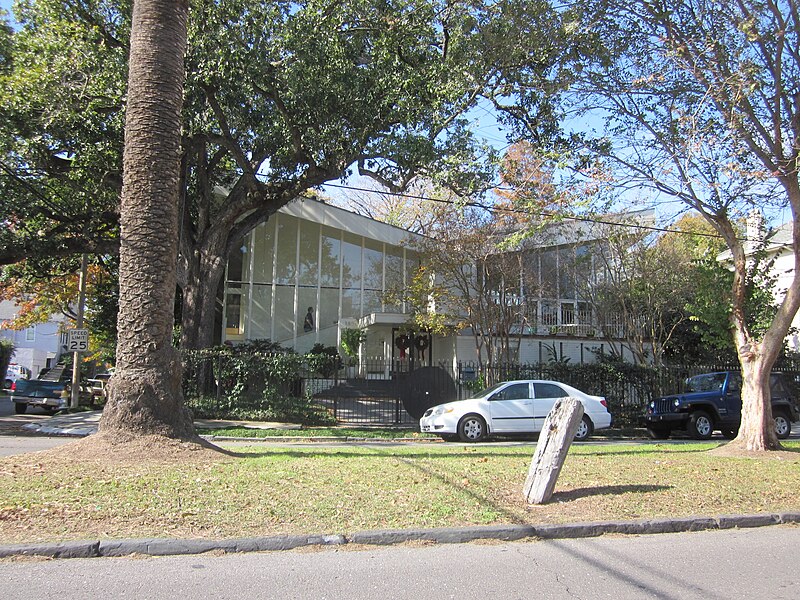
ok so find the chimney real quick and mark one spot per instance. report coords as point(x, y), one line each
point(755, 231)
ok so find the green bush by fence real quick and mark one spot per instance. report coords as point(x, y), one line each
point(6, 352)
point(248, 383)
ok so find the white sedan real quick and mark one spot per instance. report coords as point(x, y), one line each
point(511, 407)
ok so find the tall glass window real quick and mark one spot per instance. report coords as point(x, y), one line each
point(297, 265)
point(328, 309)
point(308, 264)
point(351, 262)
point(373, 276)
point(549, 270)
point(583, 269)
point(285, 314)
point(330, 273)
point(566, 272)
point(394, 279)
point(351, 276)
point(351, 303)
point(373, 265)
point(235, 307)
point(264, 252)
point(239, 263)
point(260, 323)
point(331, 258)
point(286, 251)
point(531, 288)
point(411, 266)
point(306, 299)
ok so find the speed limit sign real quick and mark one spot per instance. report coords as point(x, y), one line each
point(77, 340)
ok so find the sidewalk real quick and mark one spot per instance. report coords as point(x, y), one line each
point(85, 423)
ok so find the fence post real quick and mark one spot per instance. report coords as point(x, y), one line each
point(218, 379)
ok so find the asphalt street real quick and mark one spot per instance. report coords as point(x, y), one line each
point(710, 565)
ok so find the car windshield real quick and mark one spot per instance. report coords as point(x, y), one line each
point(710, 382)
point(487, 391)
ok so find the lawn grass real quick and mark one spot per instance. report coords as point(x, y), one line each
point(308, 489)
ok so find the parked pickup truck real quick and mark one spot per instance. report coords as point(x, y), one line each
point(713, 402)
point(13, 373)
point(38, 392)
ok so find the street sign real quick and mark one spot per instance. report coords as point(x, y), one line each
point(77, 340)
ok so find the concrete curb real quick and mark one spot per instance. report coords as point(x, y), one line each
point(446, 535)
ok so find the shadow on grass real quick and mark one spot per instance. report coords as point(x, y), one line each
point(441, 452)
point(452, 480)
point(652, 450)
point(360, 450)
point(608, 490)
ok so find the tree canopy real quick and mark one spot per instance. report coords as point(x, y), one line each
point(280, 98)
point(700, 106)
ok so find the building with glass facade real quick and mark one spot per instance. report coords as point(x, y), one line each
point(314, 269)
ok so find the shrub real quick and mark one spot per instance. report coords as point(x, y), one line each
point(352, 338)
point(6, 352)
point(255, 381)
point(324, 360)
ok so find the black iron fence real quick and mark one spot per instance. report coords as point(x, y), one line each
point(396, 392)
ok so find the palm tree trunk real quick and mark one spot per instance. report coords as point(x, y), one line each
point(145, 393)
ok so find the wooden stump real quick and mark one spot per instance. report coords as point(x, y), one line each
point(559, 430)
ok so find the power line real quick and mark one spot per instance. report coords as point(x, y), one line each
point(542, 214)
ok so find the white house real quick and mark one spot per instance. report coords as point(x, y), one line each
point(777, 246)
point(314, 269)
point(37, 347)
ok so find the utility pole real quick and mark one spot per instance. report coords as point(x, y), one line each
point(76, 356)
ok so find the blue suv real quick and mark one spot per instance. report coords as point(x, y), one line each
point(713, 401)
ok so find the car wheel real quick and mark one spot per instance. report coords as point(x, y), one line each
point(8, 384)
point(729, 433)
point(472, 428)
point(700, 426)
point(585, 429)
point(783, 426)
point(20, 408)
point(659, 433)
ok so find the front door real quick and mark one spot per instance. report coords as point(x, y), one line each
point(512, 409)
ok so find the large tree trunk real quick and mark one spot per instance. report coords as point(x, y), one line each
point(199, 302)
point(145, 393)
point(757, 431)
point(757, 357)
